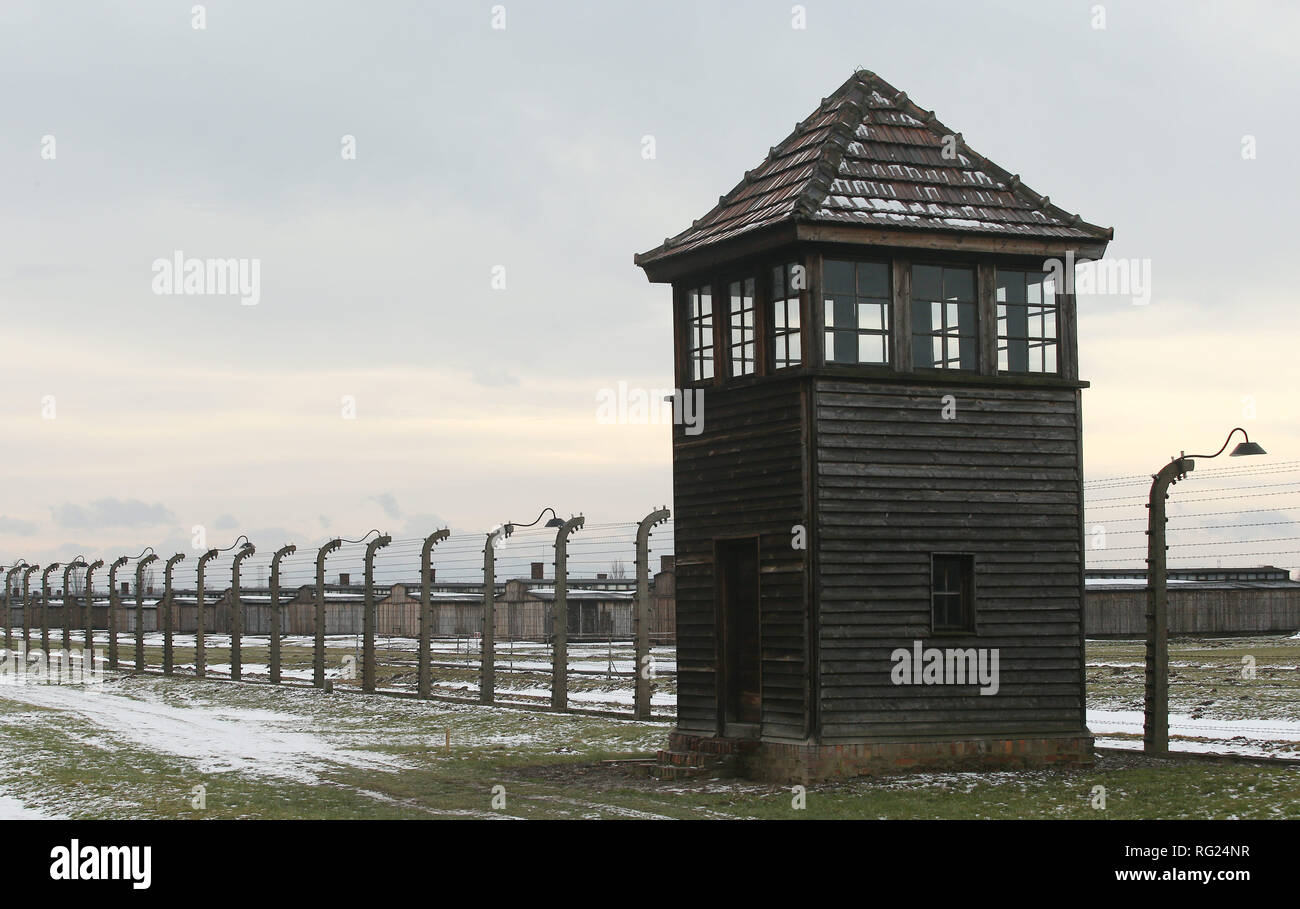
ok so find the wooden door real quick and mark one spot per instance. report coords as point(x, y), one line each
point(739, 621)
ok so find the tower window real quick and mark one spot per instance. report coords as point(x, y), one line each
point(700, 333)
point(944, 329)
point(952, 592)
point(743, 342)
point(787, 281)
point(857, 311)
point(1027, 332)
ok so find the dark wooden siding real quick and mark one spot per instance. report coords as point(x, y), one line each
point(1214, 610)
point(743, 476)
point(895, 483)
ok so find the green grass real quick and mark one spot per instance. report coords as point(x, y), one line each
point(383, 757)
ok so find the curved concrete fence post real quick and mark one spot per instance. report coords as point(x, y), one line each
point(68, 599)
point(113, 602)
point(641, 663)
point(27, 604)
point(45, 607)
point(487, 637)
point(9, 590)
point(368, 617)
point(89, 616)
point(200, 620)
point(425, 657)
point(167, 607)
point(560, 616)
point(318, 648)
point(140, 566)
point(274, 655)
point(237, 614)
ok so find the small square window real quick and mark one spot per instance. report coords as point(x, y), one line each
point(952, 592)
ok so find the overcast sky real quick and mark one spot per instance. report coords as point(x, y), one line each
point(521, 147)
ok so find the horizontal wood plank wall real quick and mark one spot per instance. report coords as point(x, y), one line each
point(742, 476)
point(897, 482)
point(1122, 613)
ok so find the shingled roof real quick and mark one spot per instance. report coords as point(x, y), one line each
point(870, 156)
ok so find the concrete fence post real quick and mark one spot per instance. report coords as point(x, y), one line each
point(1155, 725)
point(275, 610)
point(200, 639)
point(89, 617)
point(9, 612)
point(139, 609)
point(560, 616)
point(68, 600)
point(641, 664)
point(368, 616)
point(487, 638)
point(237, 614)
point(114, 600)
point(167, 605)
point(45, 607)
point(425, 657)
point(27, 605)
point(318, 651)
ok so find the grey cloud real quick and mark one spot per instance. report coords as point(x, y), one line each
point(111, 512)
point(16, 525)
point(388, 502)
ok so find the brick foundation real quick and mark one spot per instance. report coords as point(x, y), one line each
point(789, 762)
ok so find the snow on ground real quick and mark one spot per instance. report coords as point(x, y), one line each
point(1266, 738)
point(215, 738)
point(11, 809)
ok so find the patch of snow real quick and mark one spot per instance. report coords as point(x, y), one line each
point(217, 739)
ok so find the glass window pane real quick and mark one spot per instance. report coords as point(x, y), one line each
point(845, 314)
point(927, 282)
point(921, 323)
point(959, 284)
point(873, 279)
point(838, 276)
point(1034, 290)
point(966, 318)
point(1011, 286)
point(967, 352)
point(869, 317)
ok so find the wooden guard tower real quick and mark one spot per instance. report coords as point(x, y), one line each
point(890, 456)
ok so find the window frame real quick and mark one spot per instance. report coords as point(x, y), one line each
point(779, 330)
point(749, 333)
point(1041, 341)
point(886, 333)
point(914, 335)
point(702, 329)
point(966, 593)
